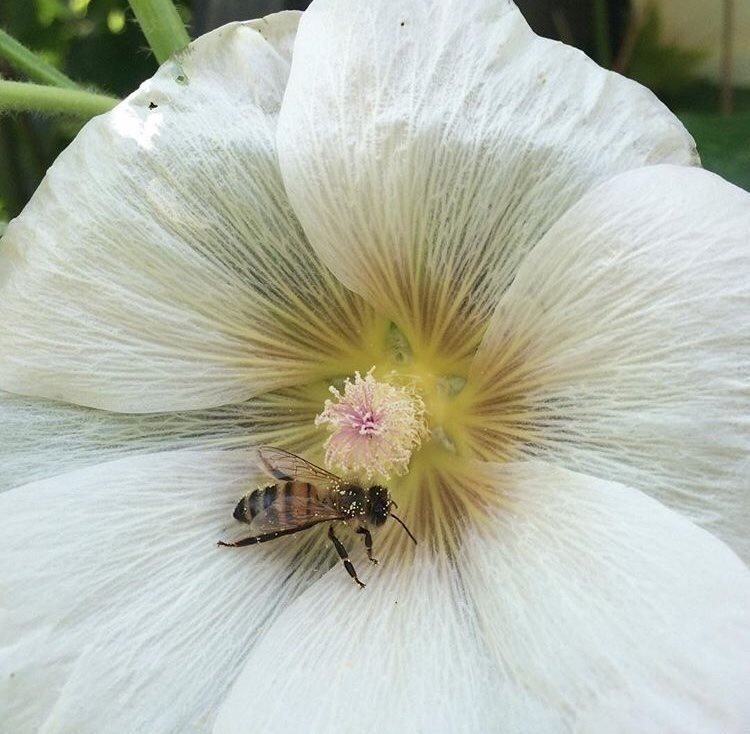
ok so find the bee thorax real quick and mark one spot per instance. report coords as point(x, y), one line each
point(350, 500)
point(379, 504)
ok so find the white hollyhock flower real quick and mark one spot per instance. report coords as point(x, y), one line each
point(556, 306)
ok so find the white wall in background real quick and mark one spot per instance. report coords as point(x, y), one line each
point(698, 24)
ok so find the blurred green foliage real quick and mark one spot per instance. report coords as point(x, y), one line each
point(723, 143)
point(670, 72)
point(97, 43)
point(664, 68)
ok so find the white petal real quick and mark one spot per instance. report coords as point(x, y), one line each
point(582, 606)
point(159, 266)
point(622, 350)
point(404, 655)
point(118, 612)
point(41, 438)
point(618, 613)
point(426, 147)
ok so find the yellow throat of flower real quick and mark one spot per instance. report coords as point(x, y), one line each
point(403, 424)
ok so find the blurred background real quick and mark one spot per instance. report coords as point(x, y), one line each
point(694, 54)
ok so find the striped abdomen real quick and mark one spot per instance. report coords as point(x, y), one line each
point(277, 500)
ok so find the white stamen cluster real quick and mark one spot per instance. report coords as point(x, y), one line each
point(376, 426)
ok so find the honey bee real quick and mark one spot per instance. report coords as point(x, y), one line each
point(305, 495)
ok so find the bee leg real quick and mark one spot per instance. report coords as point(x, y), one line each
point(249, 541)
point(344, 556)
point(368, 543)
point(252, 540)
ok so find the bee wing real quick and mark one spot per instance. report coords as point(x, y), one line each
point(290, 514)
point(285, 466)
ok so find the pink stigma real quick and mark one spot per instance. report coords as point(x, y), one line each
point(375, 426)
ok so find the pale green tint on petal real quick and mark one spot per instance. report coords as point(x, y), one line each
point(119, 612)
point(622, 350)
point(427, 146)
point(159, 266)
point(581, 607)
point(42, 438)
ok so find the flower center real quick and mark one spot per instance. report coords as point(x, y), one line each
point(375, 426)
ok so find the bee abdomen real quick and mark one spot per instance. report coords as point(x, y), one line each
point(257, 501)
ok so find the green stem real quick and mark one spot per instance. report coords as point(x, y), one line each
point(27, 62)
point(162, 26)
point(22, 96)
point(602, 41)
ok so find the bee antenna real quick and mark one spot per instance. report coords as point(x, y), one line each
point(401, 523)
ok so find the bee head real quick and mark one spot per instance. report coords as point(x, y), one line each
point(380, 504)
